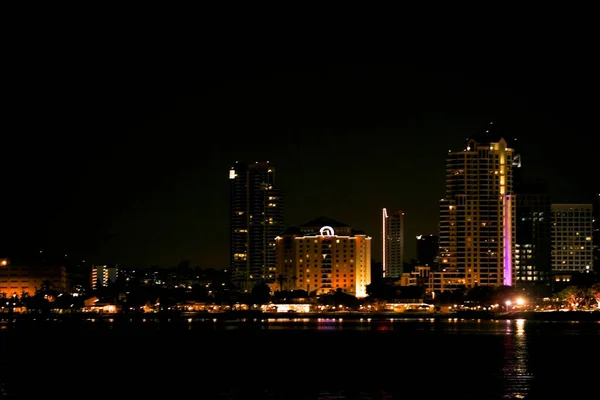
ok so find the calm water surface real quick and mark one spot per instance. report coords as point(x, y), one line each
point(299, 359)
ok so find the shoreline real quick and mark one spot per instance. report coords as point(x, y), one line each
point(244, 316)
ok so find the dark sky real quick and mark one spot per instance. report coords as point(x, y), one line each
point(119, 154)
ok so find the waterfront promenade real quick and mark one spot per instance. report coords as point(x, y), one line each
point(347, 315)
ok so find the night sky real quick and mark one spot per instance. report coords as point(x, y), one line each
point(121, 156)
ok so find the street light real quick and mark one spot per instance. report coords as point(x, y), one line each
point(520, 301)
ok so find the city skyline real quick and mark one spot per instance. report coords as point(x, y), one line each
point(147, 185)
point(120, 136)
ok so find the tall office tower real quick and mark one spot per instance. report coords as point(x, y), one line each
point(572, 249)
point(256, 218)
point(393, 244)
point(532, 263)
point(427, 249)
point(477, 235)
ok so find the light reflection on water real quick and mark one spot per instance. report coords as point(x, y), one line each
point(516, 376)
point(509, 358)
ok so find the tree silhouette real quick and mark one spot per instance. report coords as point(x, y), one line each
point(281, 279)
point(42, 298)
point(381, 291)
point(480, 294)
point(66, 301)
point(573, 296)
point(24, 297)
point(594, 292)
point(503, 293)
point(341, 298)
point(338, 298)
point(261, 293)
point(298, 294)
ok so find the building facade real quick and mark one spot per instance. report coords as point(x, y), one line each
point(19, 279)
point(572, 247)
point(393, 244)
point(103, 275)
point(256, 218)
point(427, 249)
point(532, 252)
point(323, 256)
point(477, 214)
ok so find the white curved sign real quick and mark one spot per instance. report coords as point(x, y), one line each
point(327, 231)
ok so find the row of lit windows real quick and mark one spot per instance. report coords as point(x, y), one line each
point(523, 267)
point(345, 243)
point(345, 284)
point(336, 259)
point(563, 223)
point(337, 278)
point(558, 248)
point(316, 251)
point(307, 241)
point(570, 254)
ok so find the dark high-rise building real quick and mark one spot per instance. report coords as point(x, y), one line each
point(376, 271)
point(532, 258)
point(393, 244)
point(427, 249)
point(256, 218)
point(532, 262)
point(477, 213)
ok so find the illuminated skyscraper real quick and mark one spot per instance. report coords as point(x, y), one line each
point(256, 218)
point(393, 244)
point(477, 229)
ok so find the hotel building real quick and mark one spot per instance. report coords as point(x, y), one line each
point(323, 256)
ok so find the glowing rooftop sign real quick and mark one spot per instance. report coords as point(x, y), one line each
point(327, 231)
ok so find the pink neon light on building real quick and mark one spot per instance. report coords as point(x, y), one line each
point(507, 231)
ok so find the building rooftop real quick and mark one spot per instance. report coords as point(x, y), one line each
point(292, 230)
point(314, 226)
point(490, 134)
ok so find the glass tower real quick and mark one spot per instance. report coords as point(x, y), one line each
point(256, 219)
